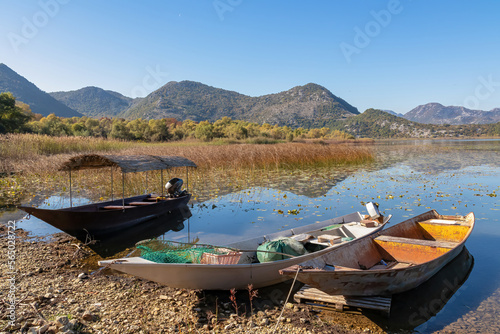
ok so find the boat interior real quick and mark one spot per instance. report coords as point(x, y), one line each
point(135, 202)
point(403, 245)
point(117, 204)
point(329, 233)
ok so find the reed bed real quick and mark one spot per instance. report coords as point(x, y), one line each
point(29, 164)
point(286, 155)
point(39, 153)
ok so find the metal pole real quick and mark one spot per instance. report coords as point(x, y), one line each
point(112, 198)
point(162, 186)
point(70, 192)
point(187, 179)
point(123, 190)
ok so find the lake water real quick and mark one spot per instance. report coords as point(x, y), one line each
point(408, 178)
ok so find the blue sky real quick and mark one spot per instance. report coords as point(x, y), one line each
point(374, 54)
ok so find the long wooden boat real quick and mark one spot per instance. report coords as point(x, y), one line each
point(246, 271)
point(106, 217)
point(397, 259)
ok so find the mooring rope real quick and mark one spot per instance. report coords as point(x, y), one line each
point(286, 301)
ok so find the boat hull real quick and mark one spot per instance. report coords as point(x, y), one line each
point(94, 220)
point(376, 283)
point(227, 276)
point(420, 258)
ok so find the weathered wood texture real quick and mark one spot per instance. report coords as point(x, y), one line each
point(339, 302)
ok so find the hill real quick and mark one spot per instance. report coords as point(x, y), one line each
point(25, 91)
point(375, 123)
point(310, 105)
point(436, 113)
point(94, 101)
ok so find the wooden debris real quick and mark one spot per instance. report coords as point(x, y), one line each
point(317, 297)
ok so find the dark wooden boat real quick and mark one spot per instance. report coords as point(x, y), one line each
point(106, 217)
point(394, 260)
point(106, 244)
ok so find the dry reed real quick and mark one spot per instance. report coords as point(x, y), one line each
point(38, 153)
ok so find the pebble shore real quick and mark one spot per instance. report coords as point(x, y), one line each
point(58, 292)
point(60, 289)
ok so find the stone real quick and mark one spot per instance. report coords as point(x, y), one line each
point(42, 329)
point(87, 316)
point(61, 321)
point(230, 326)
point(82, 276)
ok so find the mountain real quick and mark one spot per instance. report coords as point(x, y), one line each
point(436, 113)
point(94, 101)
point(392, 112)
point(375, 123)
point(309, 105)
point(24, 91)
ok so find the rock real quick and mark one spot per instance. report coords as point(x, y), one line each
point(82, 276)
point(87, 316)
point(62, 321)
point(43, 328)
point(72, 324)
point(230, 326)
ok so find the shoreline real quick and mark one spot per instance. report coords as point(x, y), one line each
point(58, 291)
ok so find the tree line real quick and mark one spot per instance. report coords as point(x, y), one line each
point(18, 118)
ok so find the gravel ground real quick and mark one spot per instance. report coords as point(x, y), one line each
point(57, 291)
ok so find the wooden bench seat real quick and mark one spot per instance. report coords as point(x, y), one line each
point(117, 207)
point(140, 203)
point(420, 242)
point(445, 222)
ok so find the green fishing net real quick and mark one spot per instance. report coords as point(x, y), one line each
point(160, 251)
point(274, 250)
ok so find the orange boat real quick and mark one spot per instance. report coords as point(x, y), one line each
point(394, 260)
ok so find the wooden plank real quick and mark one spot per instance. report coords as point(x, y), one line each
point(140, 203)
point(337, 302)
point(420, 242)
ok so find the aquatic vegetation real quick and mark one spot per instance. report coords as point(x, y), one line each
point(29, 164)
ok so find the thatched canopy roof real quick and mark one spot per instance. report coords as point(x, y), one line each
point(127, 163)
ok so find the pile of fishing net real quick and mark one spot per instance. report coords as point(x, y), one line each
point(278, 249)
point(161, 251)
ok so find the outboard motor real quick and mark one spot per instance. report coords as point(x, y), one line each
point(173, 187)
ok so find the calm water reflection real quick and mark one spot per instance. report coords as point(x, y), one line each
point(410, 177)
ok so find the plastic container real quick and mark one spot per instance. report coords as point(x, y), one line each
point(372, 209)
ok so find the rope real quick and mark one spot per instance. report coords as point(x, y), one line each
point(286, 301)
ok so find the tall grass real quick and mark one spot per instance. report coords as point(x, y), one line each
point(35, 159)
point(37, 153)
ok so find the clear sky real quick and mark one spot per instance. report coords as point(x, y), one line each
point(374, 54)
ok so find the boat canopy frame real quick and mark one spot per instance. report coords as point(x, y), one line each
point(127, 164)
